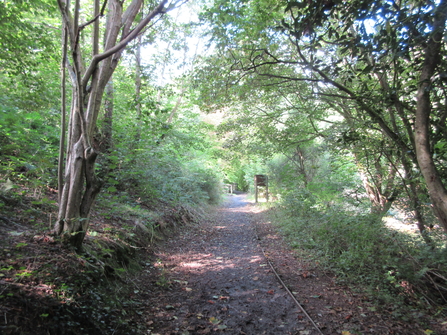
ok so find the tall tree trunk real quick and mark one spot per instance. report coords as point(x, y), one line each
point(81, 183)
point(301, 166)
point(60, 167)
point(138, 73)
point(435, 186)
point(105, 143)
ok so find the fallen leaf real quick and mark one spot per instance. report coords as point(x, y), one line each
point(214, 320)
point(255, 278)
point(271, 292)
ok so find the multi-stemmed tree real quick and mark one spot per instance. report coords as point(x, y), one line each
point(111, 25)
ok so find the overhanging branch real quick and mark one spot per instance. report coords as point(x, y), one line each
point(160, 9)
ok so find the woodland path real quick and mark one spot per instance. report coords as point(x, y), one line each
point(217, 278)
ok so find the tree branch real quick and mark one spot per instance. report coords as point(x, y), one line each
point(160, 9)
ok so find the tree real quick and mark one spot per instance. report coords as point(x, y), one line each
point(389, 47)
point(425, 111)
point(89, 76)
point(382, 57)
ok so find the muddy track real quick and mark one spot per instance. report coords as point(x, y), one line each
point(217, 278)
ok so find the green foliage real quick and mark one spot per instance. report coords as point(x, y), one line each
point(166, 177)
point(237, 175)
point(26, 38)
point(29, 144)
point(289, 73)
point(29, 93)
point(166, 155)
point(393, 267)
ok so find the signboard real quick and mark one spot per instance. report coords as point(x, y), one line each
point(260, 180)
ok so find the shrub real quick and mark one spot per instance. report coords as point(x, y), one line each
point(392, 266)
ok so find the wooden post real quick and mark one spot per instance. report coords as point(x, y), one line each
point(267, 188)
point(256, 190)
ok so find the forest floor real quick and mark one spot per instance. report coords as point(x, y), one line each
point(229, 272)
point(235, 274)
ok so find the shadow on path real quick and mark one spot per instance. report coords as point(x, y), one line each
point(223, 282)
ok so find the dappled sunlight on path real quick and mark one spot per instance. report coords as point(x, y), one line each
point(227, 275)
point(227, 284)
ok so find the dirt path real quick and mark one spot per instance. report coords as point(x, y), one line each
point(217, 278)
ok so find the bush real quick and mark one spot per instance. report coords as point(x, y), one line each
point(393, 267)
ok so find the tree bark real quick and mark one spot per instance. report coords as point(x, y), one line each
point(138, 73)
point(106, 134)
point(435, 186)
point(60, 167)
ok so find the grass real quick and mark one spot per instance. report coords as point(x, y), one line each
point(396, 269)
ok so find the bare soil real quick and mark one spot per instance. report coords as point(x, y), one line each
point(236, 275)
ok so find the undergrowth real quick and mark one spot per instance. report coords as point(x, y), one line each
point(47, 288)
point(398, 271)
